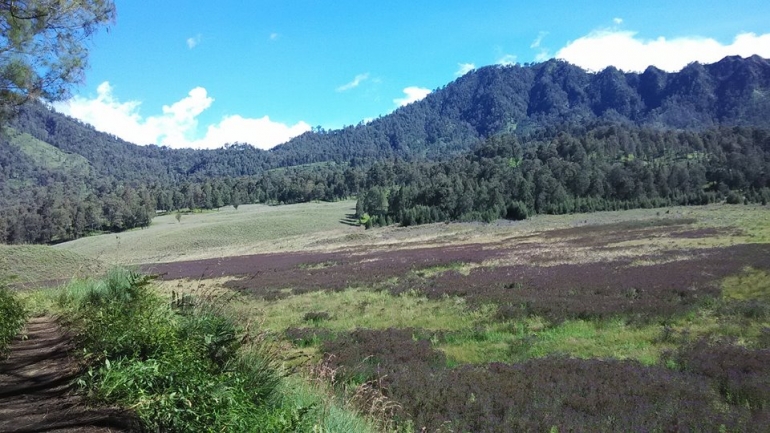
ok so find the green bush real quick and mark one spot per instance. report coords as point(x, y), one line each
point(12, 317)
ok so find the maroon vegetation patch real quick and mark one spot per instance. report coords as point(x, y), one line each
point(570, 394)
point(597, 290)
point(706, 232)
point(599, 235)
point(557, 292)
point(266, 274)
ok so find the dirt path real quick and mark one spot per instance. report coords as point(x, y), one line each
point(36, 393)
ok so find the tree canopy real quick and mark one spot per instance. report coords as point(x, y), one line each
point(43, 46)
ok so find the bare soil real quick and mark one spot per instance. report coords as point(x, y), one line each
point(36, 387)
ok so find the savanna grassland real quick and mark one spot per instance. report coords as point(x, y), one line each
point(641, 320)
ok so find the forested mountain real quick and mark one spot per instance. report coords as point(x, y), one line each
point(498, 99)
point(61, 179)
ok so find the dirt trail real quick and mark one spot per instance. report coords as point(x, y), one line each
point(36, 392)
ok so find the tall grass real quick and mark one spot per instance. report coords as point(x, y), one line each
point(182, 368)
point(12, 317)
point(187, 365)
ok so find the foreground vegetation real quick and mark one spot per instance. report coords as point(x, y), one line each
point(182, 365)
point(12, 317)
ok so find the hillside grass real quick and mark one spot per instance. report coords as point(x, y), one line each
point(33, 265)
point(48, 156)
point(250, 229)
point(254, 229)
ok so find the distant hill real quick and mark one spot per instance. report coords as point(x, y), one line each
point(61, 179)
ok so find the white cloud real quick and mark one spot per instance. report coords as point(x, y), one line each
point(542, 56)
point(413, 94)
point(176, 126)
point(628, 52)
point(274, 36)
point(538, 40)
point(360, 78)
point(507, 60)
point(542, 52)
point(262, 133)
point(193, 42)
point(617, 21)
point(464, 68)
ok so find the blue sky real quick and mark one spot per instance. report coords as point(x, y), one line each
point(201, 73)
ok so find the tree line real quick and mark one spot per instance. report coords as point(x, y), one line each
point(574, 169)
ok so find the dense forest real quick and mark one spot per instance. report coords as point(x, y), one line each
point(499, 142)
point(597, 167)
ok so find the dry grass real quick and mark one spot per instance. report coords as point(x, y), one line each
point(349, 309)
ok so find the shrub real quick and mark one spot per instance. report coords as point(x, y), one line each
point(367, 354)
point(304, 337)
point(316, 316)
point(564, 395)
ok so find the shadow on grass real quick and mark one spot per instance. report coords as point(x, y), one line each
point(350, 220)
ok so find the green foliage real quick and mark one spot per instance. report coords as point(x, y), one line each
point(43, 50)
point(12, 317)
point(181, 366)
point(591, 167)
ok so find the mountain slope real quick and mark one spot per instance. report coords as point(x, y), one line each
point(48, 156)
point(484, 102)
point(495, 99)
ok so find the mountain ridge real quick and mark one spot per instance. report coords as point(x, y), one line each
point(495, 99)
point(490, 100)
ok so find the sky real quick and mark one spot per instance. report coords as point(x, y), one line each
point(203, 74)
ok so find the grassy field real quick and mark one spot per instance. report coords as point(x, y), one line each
point(253, 229)
point(565, 322)
point(31, 265)
point(641, 308)
point(249, 229)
